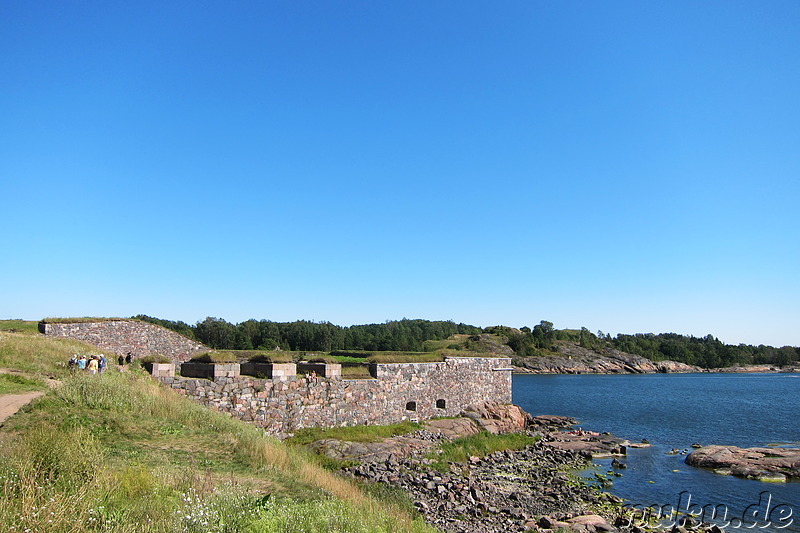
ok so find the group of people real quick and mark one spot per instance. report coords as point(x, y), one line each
point(96, 363)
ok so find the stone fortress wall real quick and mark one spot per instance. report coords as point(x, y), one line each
point(281, 402)
point(123, 336)
point(398, 392)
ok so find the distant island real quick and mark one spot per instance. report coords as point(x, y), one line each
point(539, 349)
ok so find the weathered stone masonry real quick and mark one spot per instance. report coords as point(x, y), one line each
point(123, 336)
point(284, 402)
point(400, 391)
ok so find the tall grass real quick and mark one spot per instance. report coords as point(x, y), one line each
point(39, 354)
point(120, 453)
point(16, 383)
point(19, 326)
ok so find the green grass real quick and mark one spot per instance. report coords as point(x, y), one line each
point(405, 357)
point(39, 354)
point(214, 357)
point(354, 433)
point(19, 326)
point(348, 359)
point(138, 457)
point(357, 371)
point(479, 445)
point(16, 383)
point(259, 356)
point(434, 346)
point(81, 320)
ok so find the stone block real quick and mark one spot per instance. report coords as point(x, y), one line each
point(162, 370)
point(284, 371)
point(226, 370)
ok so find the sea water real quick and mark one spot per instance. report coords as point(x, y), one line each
point(674, 411)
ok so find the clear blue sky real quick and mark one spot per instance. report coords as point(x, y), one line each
point(624, 166)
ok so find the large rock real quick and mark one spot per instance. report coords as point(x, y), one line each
point(755, 463)
point(552, 422)
point(498, 418)
point(453, 428)
point(588, 443)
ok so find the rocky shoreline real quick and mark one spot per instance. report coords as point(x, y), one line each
point(573, 359)
point(506, 491)
point(534, 489)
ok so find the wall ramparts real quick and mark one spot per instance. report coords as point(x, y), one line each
point(128, 336)
point(401, 391)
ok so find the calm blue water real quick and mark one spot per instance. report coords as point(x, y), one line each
point(674, 411)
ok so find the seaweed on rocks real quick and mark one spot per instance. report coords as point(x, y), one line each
point(502, 492)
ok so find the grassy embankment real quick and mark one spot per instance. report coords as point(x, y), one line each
point(119, 453)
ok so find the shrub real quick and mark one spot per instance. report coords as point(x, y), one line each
point(214, 357)
point(154, 358)
point(271, 357)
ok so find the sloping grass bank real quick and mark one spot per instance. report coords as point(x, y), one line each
point(119, 453)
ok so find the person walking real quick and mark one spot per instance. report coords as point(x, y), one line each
point(82, 362)
point(93, 365)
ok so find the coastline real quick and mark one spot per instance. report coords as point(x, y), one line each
point(607, 367)
point(675, 413)
point(537, 488)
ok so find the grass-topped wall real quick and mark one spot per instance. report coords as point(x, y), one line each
point(122, 337)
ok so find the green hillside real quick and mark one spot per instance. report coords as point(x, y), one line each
point(120, 453)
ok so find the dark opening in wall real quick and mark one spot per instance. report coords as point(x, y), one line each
point(441, 404)
point(411, 406)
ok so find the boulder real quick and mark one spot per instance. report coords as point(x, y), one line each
point(452, 428)
point(498, 418)
point(754, 463)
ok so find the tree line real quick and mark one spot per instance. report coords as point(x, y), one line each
point(410, 335)
point(302, 335)
point(707, 352)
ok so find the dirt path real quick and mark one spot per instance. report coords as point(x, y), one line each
point(11, 403)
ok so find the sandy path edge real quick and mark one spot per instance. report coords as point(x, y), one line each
point(11, 403)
